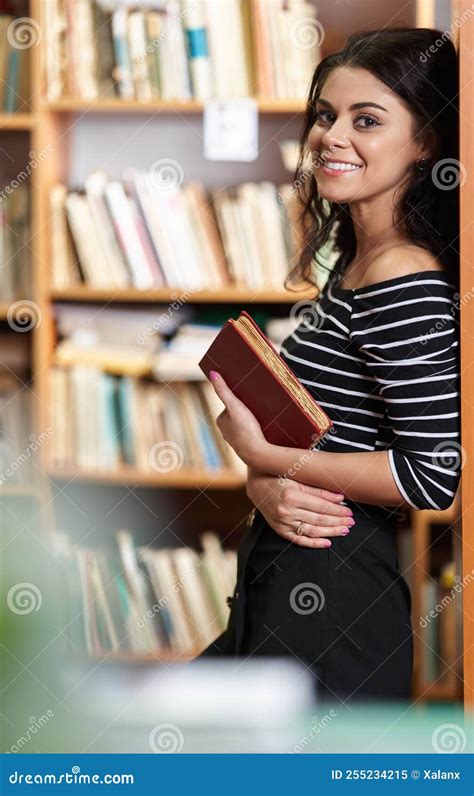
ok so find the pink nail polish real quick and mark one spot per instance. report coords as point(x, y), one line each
point(327, 543)
point(213, 375)
point(344, 533)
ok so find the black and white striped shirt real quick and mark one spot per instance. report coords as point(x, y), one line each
point(383, 362)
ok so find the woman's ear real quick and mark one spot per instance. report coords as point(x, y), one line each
point(428, 146)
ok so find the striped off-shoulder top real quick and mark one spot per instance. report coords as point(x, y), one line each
point(383, 361)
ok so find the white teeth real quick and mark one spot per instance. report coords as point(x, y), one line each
point(341, 166)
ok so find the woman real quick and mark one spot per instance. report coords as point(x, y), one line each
point(380, 356)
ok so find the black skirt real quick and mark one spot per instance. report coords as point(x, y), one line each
point(344, 611)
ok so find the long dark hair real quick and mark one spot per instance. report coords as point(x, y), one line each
point(420, 66)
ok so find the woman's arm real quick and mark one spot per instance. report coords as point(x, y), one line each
point(362, 477)
point(285, 504)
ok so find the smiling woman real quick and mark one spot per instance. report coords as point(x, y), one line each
point(381, 358)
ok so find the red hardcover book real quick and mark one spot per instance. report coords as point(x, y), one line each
point(261, 379)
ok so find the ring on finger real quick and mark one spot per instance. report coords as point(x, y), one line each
point(299, 530)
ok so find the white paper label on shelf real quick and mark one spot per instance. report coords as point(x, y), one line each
point(231, 129)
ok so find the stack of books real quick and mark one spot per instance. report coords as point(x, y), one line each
point(180, 50)
point(103, 422)
point(17, 36)
point(133, 599)
point(15, 279)
point(134, 232)
point(121, 341)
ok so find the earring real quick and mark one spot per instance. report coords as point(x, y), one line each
point(422, 164)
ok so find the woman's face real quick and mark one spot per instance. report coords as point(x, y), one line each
point(378, 140)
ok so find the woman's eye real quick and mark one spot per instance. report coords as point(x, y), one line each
point(323, 116)
point(371, 119)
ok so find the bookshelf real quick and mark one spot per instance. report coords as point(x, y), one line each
point(16, 121)
point(51, 126)
point(221, 296)
point(119, 106)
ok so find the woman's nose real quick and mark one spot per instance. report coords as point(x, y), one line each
point(337, 135)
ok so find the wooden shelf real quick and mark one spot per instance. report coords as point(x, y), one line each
point(17, 121)
point(438, 692)
point(116, 105)
point(185, 478)
point(168, 656)
point(225, 295)
point(26, 311)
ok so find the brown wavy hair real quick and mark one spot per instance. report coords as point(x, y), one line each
point(420, 65)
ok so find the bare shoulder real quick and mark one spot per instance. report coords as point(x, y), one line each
point(401, 260)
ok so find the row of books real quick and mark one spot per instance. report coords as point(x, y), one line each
point(180, 49)
point(440, 625)
point(135, 599)
point(162, 343)
point(15, 279)
point(102, 422)
point(18, 448)
point(135, 231)
point(15, 34)
point(441, 628)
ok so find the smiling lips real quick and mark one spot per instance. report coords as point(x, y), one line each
point(339, 166)
point(335, 167)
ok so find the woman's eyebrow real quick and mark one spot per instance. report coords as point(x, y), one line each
point(356, 105)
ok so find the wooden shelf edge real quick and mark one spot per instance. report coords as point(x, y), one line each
point(227, 295)
point(168, 656)
point(117, 105)
point(17, 121)
point(23, 304)
point(438, 692)
point(185, 478)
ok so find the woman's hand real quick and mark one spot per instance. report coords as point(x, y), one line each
point(237, 424)
point(285, 503)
